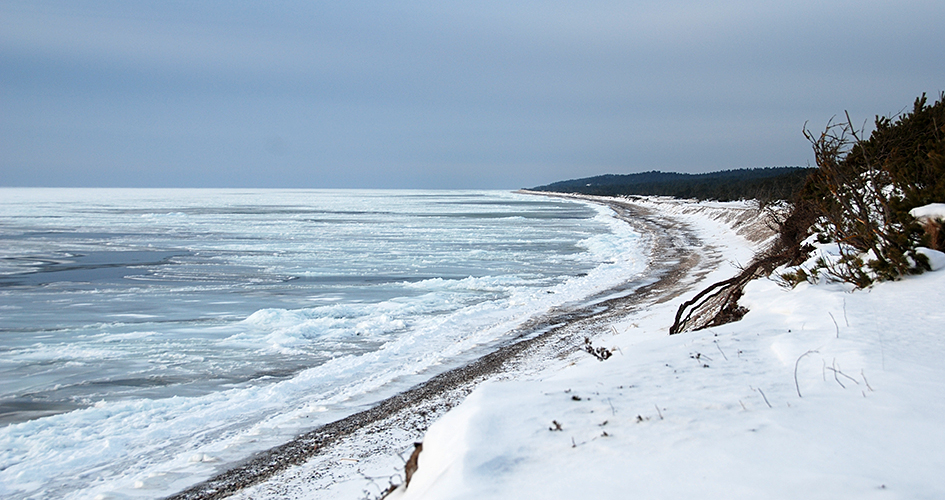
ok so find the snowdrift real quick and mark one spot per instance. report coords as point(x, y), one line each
point(819, 392)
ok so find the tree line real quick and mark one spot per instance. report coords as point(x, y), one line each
point(765, 184)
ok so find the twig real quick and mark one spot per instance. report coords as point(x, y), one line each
point(765, 398)
point(720, 349)
point(835, 377)
point(796, 385)
point(612, 410)
point(659, 412)
point(836, 370)
point(743, 405)
point(867, 381)
point(849, 377)
point(835, 323)
point(382, 491)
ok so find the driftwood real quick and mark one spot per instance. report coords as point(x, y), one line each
point(718, 304)
point(412, 463)
point(409, 469)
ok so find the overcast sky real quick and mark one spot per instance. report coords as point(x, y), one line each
point(441, 94)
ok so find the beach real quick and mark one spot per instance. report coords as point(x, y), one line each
point(819, 391)
point(362, 453)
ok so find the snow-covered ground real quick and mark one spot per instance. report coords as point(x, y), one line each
point(819, 392)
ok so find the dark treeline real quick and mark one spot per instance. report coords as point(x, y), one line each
point(766, 184)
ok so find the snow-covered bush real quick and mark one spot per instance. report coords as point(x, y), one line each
point(862, 193)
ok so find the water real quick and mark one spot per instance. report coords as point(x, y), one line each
point(150, 337)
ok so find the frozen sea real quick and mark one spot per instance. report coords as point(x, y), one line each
point(149, 338)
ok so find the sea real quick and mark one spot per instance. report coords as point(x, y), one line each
point(150, 338)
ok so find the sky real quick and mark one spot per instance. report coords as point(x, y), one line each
point(433, 94)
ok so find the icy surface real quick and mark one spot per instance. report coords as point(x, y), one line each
point(152, 337)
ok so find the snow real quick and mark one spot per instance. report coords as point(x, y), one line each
point(936, 258)
point(930, 211)
point(818, 392)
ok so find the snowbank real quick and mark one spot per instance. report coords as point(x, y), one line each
point(930, 211)
point(936, 258)
point(817, 393)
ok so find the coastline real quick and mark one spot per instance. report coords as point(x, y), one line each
point(679, 259)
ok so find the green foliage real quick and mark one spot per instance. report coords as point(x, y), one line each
point(795, 277)
point(863, 191)
point(765, 184)
point(912, 151)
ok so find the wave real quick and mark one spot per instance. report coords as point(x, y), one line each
point(279, 371)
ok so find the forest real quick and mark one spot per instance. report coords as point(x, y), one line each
point(765, 184)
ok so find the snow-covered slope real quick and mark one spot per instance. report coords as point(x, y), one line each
point(818, 392)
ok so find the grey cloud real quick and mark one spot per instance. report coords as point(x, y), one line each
point(440, 94)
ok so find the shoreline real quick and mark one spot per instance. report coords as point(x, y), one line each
point(678, 259)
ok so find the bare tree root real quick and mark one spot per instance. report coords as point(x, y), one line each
point(718, 304)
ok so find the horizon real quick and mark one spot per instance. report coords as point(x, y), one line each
point(276, 188)
point(427, 96)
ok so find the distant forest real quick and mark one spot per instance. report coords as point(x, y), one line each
point(766, 184)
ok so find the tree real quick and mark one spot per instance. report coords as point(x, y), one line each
point(864, 189)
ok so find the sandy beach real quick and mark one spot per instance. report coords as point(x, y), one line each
point(678, 259)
